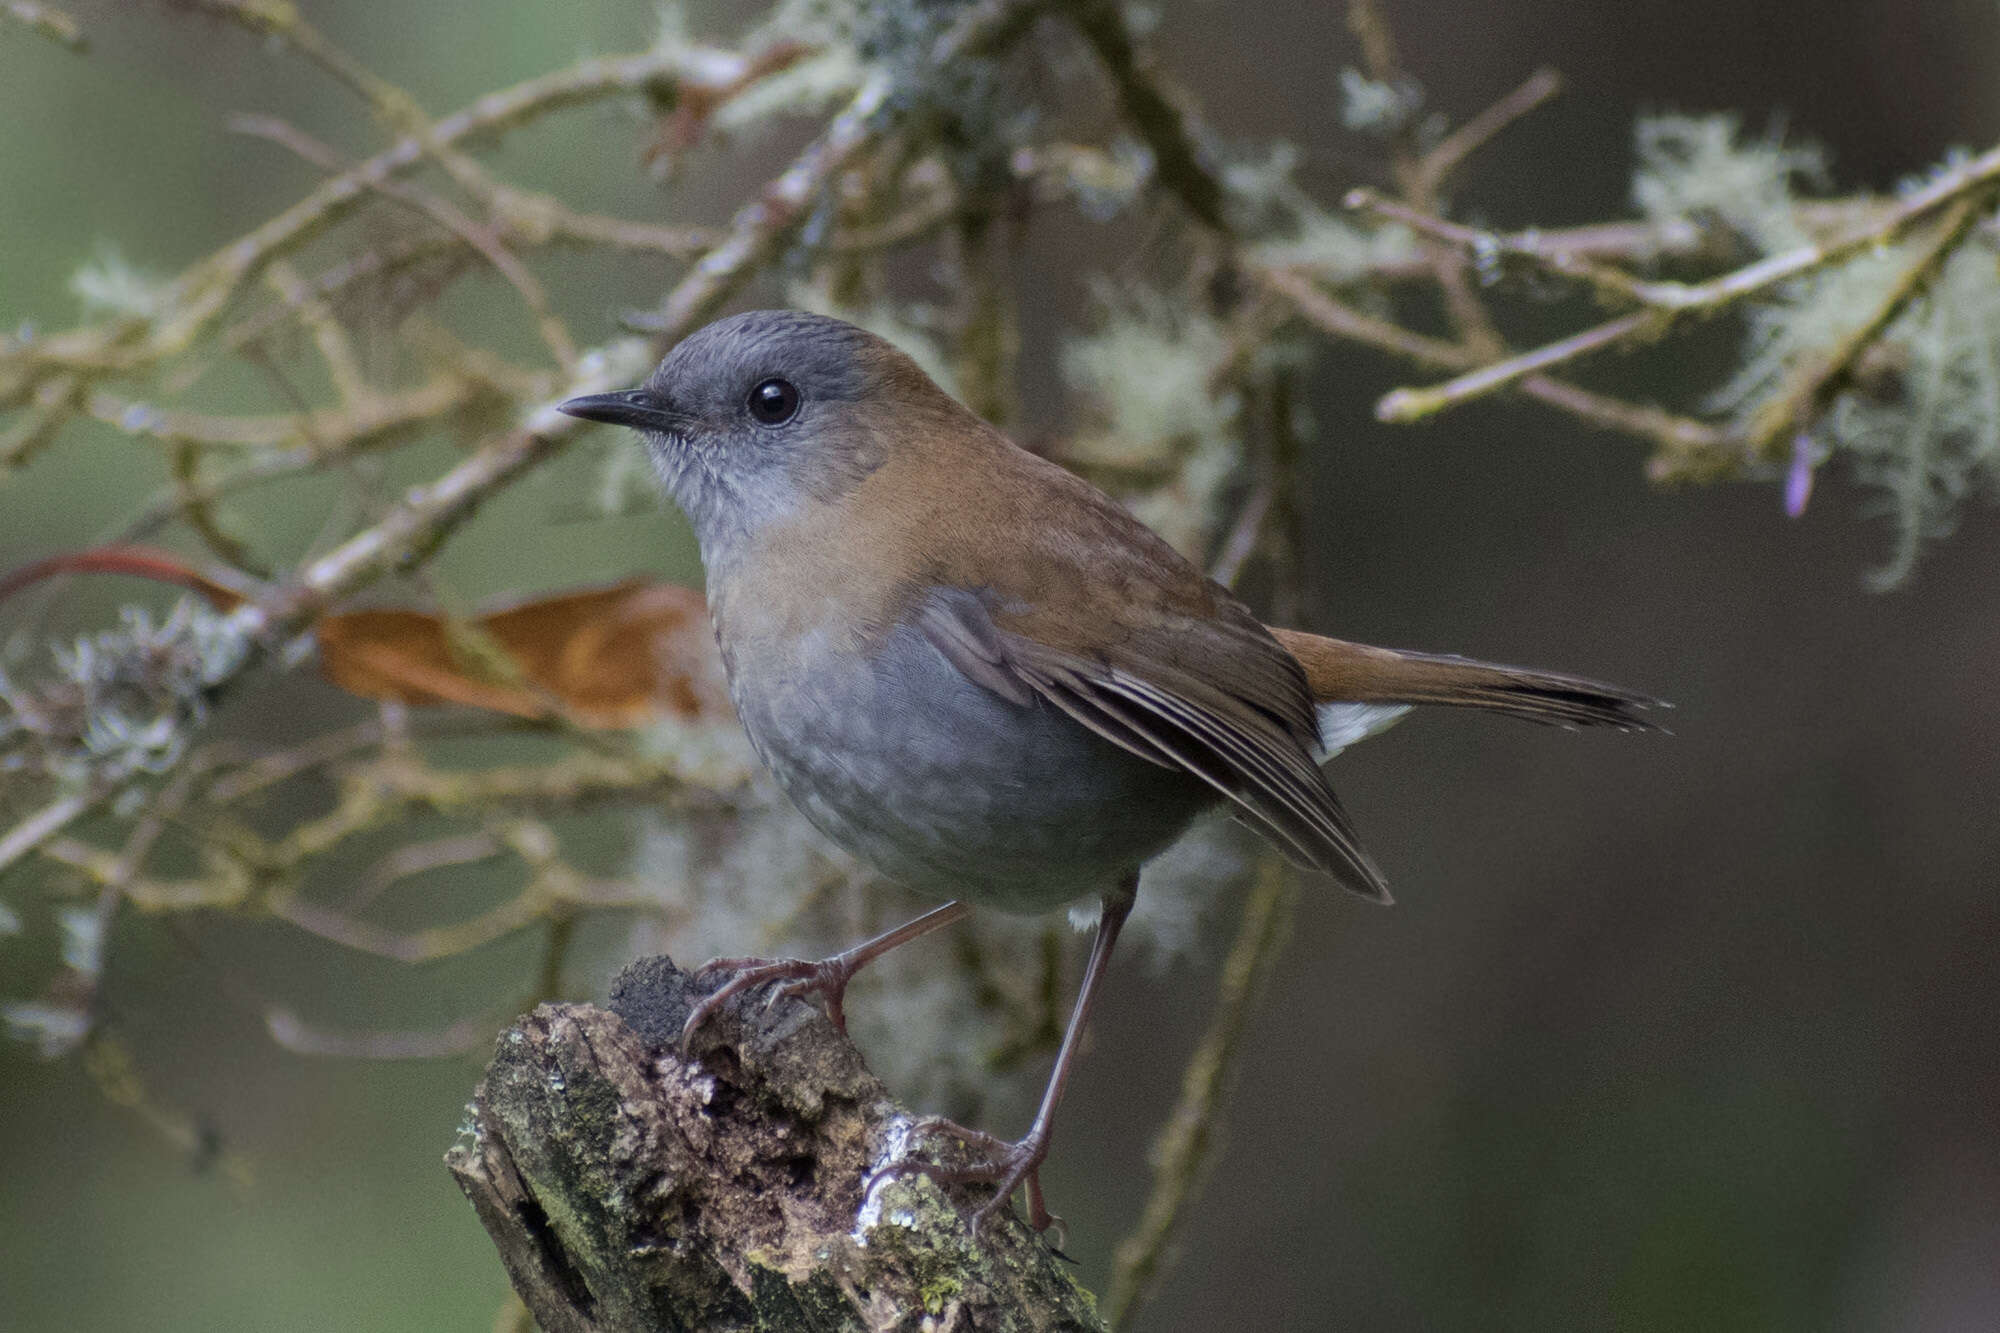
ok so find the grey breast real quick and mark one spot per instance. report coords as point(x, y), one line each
point(945, 786)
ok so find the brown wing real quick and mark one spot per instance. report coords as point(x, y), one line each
point(1097, 615)
point(1221, 738)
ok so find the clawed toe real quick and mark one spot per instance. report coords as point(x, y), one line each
point(1007, 1166)
point(829, 980)
point(828, 977)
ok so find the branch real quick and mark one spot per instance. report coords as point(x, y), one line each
point(1405, 405)
point(429, 513)
point(1815, 390)
point(330, 432)
point(1533, 246)
point(761, 229)
point(629, 1188)
point(1167, 130)
point(1668, 430)
point(1666, 303)
point(1184, 1150)
point(1436, 166)
point(484, 240)
point(51, 23)
point(200, 293)
point(1420, 175)
point(46, 822)
point(426, 515)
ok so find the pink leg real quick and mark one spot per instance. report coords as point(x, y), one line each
point(828, 976)
point(1008, 1166)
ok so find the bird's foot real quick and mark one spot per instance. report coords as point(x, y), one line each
point(1004, 1165)
point(827, 976)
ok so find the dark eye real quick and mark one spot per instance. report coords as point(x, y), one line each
point(774, 401)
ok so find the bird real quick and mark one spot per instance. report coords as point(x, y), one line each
point(988, 680)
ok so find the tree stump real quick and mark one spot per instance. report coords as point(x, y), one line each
point(630, 1189)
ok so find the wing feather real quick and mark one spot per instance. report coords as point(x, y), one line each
point(1252, 746)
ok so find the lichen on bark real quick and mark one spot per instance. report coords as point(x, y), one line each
point(630, 1188)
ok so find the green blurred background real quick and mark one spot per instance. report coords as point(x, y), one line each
point(1694, 1032)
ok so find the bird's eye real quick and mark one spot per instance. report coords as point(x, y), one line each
point(774, 401)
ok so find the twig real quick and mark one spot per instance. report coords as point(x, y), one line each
point(328, 432)
point(149, 893)
point(1419, 183)
point(1436, 166)
point(402, 113)
point(1162, 124)
point(1403, 405)
point(480, 238)
point(915, 224)
point(330, 340)
point(1341, 320)
point(1183, 1152)
point(281, 20)
point(989, 335)
point(1671, 432)
point(417, 946)
point(55, 399)
point(45, 823)
point(540, 219)
point(111, 1067)
point(420, 858)
point(1378, 43)
point(555, 953)
point(51, 23)
point(201, 292)
point(267, 770)
point(1667, 302)
point(1793, 411)
point(762, 227)
point(293, 1033)
point(1531, 246)
point(1245, 533)
point(524, 220)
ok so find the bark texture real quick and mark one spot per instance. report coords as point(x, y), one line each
point(629, 1189)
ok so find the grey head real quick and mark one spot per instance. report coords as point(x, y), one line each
point(755, 415)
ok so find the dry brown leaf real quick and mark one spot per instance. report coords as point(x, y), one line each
point(617, 656)
point(607, 657)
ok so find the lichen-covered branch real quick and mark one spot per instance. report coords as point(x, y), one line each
point(199, 294)
point(1185, 1147)
point(1153, 111)
point(1665, 302)
point(761, 227)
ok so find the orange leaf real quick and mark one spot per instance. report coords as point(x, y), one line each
point(601, 657)
point(617, 656)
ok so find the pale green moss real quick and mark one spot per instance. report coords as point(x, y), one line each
point(1700, 168)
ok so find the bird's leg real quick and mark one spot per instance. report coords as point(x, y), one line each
point(1009, 1166)
point(828, 976)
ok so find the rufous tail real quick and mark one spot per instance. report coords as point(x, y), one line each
point(1342, 672)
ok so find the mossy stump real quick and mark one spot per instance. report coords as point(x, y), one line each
point(630, 1189)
